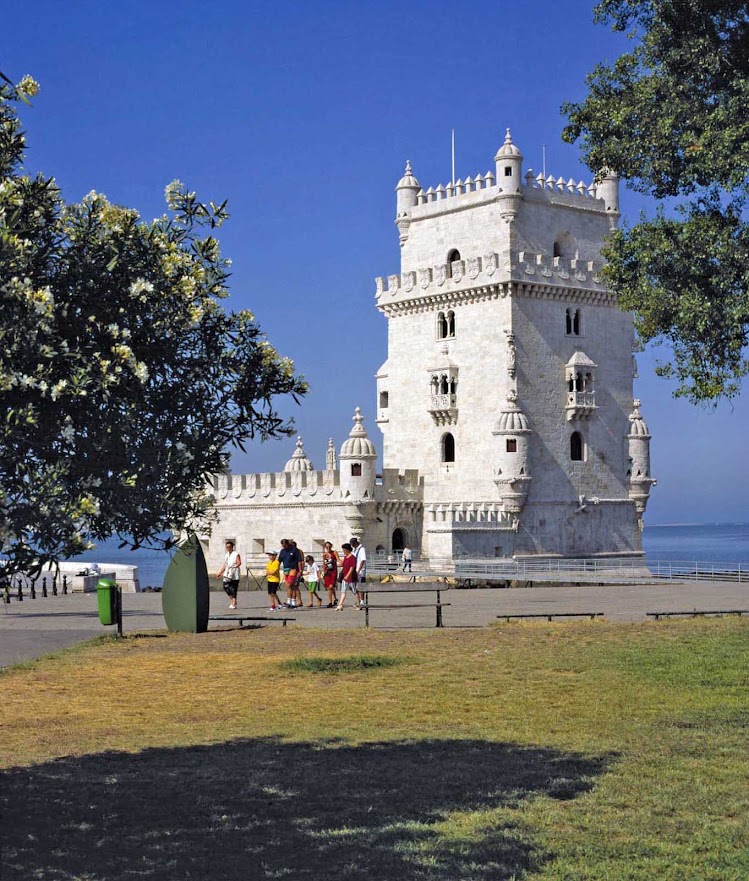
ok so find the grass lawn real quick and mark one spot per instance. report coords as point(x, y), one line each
point(537, 751)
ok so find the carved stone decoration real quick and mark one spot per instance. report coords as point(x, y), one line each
point(511, 353)
point(379, 286)
point(491, 264)
point(474, 266)
point(425, 278)
point(393, 282)
point(441, 277)
point(409, 281)
point(458, 270)
point(265, 484)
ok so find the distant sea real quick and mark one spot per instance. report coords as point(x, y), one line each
point(694, 543)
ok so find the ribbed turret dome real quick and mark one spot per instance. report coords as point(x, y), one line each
point(299, 461)
point(511, 420)
point(508, 148)
point(637, 425)
point(408, 181)
point(358, 445)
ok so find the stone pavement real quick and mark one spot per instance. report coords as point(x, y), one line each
point(36, 627)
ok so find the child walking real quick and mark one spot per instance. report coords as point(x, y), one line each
point(273, 574)
point(311, 577)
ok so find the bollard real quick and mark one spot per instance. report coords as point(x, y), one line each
point(44, 586)
point(32, 590)
point(6, 593)
point(19, 596)
point(54, 585)
point(65, 585)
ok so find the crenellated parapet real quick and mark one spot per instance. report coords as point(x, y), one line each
point(450, 516)
point(278, 487)
point(480, 274)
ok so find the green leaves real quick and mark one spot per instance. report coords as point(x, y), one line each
point(128, 381)
point(671, 117)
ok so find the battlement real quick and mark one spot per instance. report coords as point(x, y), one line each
point(483, 188)
point(283, 487)
point(475, 272)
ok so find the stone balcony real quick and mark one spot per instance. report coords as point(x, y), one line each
point(444, 408)
point(580, 405)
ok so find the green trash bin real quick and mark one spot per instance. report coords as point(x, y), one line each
point(106, 595)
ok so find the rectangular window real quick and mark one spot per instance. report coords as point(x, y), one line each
point(498, 551)
point(508, 171)
point(258, 545)
point(383, 400)
point(512, 445)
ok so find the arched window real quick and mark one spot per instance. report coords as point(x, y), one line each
point(451, 324)
point(568, 322)
point(441, 326)
point(356, 469)
point(578, 382)
point(453, 385)
point(451, 258)
point(448, 448)
point(576, 446)
point(399, 539)
point(443, 385)
point(557, 250)
point(576, 323)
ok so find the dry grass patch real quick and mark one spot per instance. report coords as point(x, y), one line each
point(577, 751)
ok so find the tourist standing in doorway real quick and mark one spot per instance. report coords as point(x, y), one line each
point(230, 572)
point(360, 555)
point(330, 572)
point(407, 559)
point(348, 574)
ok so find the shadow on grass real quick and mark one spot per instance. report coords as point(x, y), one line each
point(257, 809)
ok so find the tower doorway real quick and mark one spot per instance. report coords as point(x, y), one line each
point(399, 540)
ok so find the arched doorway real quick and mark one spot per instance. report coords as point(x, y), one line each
point(399, 540)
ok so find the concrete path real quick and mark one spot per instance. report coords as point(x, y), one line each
point(36, 627)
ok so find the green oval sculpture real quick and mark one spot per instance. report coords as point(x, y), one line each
point(185, 597)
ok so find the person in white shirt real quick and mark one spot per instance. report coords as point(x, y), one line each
point(407, 559)
point(311, 577)
point(230, 572)
point(361, 570)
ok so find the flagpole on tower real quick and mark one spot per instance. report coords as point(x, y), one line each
point(453, 177)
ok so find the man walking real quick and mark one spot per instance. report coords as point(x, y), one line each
point(360, 555)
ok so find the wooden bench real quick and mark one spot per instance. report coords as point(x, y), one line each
point(695, 613)
point(550, 615)
point(241, 618)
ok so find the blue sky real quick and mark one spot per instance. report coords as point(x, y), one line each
point(302, 114)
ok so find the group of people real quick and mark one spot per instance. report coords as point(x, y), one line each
point(336, 573)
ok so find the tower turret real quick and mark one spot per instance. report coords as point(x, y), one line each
point(358, 458)
point(640, 480)
point(509, 167)
point(331, 460)
point(512, 473)
point(299, 460)
point(607, 189)
point(406, 196)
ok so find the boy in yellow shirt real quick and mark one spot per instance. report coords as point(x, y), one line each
point(273, 574)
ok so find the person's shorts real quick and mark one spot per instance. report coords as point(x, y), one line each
point(290, 577)
point(273, 586)
point(311, 586)
point(231, 588)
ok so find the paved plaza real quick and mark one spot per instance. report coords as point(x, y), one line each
point(35, 627)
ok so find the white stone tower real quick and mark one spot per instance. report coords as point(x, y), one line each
point(508, 381)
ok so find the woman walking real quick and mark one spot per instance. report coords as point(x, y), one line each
point(230, 571)
point(348, 573)
point(330, 573)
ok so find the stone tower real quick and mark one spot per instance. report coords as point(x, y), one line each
point(508, 381)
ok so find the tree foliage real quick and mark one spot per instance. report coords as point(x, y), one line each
point(124, 383)
point(671, 117)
